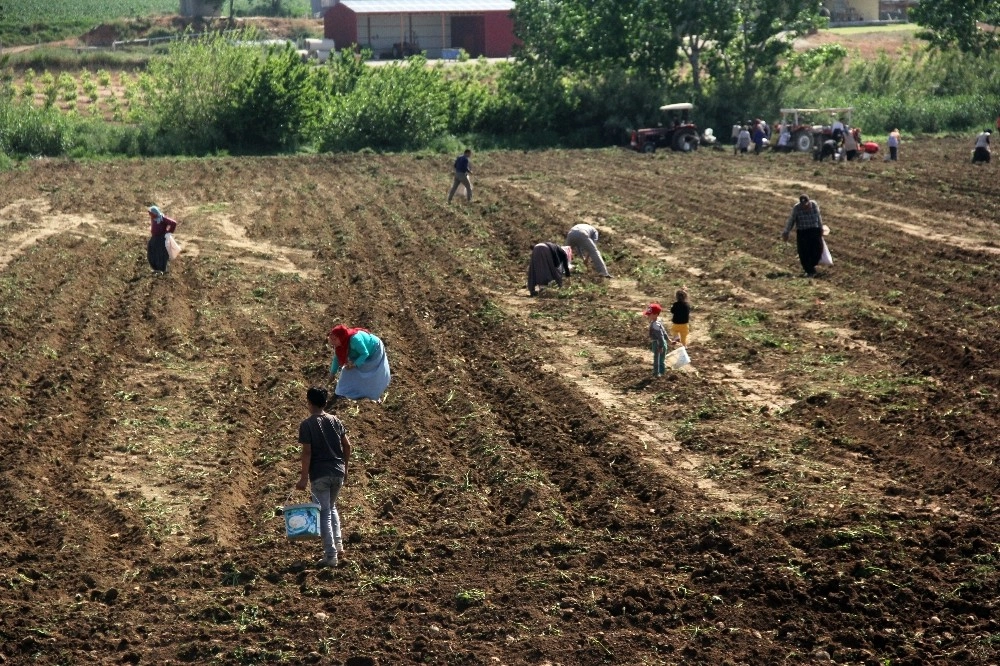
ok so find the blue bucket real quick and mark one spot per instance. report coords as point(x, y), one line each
point(301, 521)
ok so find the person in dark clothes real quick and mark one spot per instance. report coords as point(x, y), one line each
point(326, 454)
point(826, 149)
point(156, 249)
point(549, 263)
point(680, 317)
point(808, 224)
point(462, 170)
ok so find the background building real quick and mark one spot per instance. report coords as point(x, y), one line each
point(397, 28)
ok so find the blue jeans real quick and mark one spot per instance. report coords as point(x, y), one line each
point(326, 489)
point(659, 356)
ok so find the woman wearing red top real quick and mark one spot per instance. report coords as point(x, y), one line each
point(156, 249)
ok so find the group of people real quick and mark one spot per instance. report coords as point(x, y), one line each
point(551, 262)
point(361, 369)
point(756, 133)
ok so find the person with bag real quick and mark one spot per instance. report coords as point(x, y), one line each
point(462, 170)
point(326, 454)
point(808, 224)
point(156, 248)
point(657, 338)
point(360, 359)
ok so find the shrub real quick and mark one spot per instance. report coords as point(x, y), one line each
point(26, 131)
point(395, 107)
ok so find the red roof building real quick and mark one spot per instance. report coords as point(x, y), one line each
point(398, 28)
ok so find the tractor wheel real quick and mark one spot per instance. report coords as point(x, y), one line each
point(685, 142)
point(803, 141)
point(649, 147)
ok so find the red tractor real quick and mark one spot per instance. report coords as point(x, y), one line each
point(679, 134)
point(811, 127)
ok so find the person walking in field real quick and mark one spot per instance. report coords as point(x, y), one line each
point(326, 454)
point(808, 224)
point(156, 248)
point(680, 317)
point(361, 360)
point(549, 263)
point(582, 238)
point(657, 338)
point(981, 152)
point(463, 168)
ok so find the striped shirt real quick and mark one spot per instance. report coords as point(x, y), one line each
point(804, 216)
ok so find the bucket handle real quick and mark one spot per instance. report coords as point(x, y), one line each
point(291, 493)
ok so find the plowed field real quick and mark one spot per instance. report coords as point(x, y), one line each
point(820, 485)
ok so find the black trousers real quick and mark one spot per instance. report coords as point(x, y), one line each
point(809, 243)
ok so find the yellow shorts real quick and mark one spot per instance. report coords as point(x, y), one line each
point(681, 330)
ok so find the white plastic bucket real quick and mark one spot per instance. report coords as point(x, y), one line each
point(301, 521)
point(677, 359)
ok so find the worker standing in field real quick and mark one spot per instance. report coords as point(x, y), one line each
point(156, 248)
point(894, 140)
point(463, 168)
point(808, 224)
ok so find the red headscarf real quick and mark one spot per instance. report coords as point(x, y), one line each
point(341, 336)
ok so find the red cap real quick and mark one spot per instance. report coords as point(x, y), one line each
point(653, 309)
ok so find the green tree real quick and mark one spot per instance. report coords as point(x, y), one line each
point(700, 25)
point(956, 23)
point(595, 35)
point(760, 36)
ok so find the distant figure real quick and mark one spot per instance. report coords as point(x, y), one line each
point(549, 263)
point(582, 238)
point(680, 317)
point(826, 149)
point(462, 170)
point(743, 141)
point(981, 152)
point(784, 140)
point(808, 224)
point(759, 138)
point(736, 137)
point(893, 143)
point(657, 338)
point(156, 248)
point(837, 130)
point(850, 145)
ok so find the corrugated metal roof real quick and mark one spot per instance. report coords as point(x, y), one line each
point(426, 6)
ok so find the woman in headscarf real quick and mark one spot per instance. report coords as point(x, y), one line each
point(156, 249)
point(360, 358)
point(549, 262)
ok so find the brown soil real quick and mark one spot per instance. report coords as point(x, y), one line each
point(817, 487)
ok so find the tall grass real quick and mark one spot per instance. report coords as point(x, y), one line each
point(921, 91)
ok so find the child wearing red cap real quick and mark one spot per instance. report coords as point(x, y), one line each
point(657, 338)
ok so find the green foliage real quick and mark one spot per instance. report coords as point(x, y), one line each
point(919, 91)
point(394, 107)
point(955, 23)
point(592, 35)
point(26, 131)
point(213, 93)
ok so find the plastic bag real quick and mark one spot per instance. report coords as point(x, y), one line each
point(173, 247)
point(825, 259)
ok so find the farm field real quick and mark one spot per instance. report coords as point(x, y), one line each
point(819, 486)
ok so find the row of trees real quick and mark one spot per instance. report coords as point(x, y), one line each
point(589, 71)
